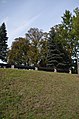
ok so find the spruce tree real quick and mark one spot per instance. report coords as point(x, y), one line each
point(53, 56)
point(57, 57)
point(3, 42)
point(64, 64)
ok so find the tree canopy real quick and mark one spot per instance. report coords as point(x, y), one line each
point(54, 49)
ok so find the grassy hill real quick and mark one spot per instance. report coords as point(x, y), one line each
point(38, 95)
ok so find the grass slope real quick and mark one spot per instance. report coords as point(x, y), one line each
point(38, 95)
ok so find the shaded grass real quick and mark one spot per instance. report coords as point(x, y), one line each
point(38, 95)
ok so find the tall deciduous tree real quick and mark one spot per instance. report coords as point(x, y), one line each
point(43, 50)
point(67, 32)
point(30, 50)
point(38, 41)
point(19, 52)
point(3, 42)
point(71, 32)
point(75, 32)
point(76, 26)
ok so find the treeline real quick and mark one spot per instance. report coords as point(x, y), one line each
point(56, 49)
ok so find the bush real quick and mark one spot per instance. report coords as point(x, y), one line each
point(24, 67)
point(46, 69)
point(63, 70)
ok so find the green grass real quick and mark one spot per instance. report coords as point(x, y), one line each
point(38, 95)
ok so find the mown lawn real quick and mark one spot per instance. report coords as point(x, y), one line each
point(38, 95)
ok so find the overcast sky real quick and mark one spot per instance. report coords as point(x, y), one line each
point(21, 15)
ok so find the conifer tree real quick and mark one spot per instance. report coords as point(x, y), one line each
point(57, 57)
point(3, 42)
point(53, 57)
